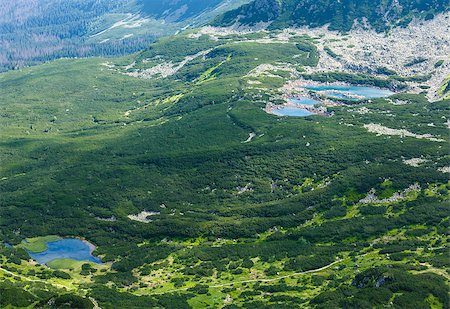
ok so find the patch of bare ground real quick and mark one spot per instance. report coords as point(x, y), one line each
point(445, 169)
point(382, 130)
point(415, 162)
point(143, 216)
point(165, 69)
point(246, 188)
point(371, 197)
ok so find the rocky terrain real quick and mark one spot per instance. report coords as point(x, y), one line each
point(420, 49)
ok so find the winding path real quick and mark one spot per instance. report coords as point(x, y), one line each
point(33, 280)
point(254, 280)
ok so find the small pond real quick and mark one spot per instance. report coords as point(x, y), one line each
point(69, 248)
point(291, 111)
point(350, 92)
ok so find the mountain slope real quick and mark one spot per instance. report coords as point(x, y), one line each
point(340, 15)
point(196, 194)
point(177, 11)
point(196, 197)
point(35, 31)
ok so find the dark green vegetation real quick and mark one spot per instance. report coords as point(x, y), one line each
point(274, 222)
point(380, 14)
point(377, 287)
point(393, 82)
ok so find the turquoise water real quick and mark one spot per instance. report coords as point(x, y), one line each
point(292, 111)
point(342, 92)
point(304, 101)
point(69, 248)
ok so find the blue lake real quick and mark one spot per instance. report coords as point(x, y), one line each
point(68, 248)
point(347, 92)
point(303, 101)
point(292, 111)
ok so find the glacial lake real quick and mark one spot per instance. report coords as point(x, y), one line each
point(351, 92)
point(69, 248)
point(291, 111)
point(303, 101)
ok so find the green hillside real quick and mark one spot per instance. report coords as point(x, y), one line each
point(273, 221)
